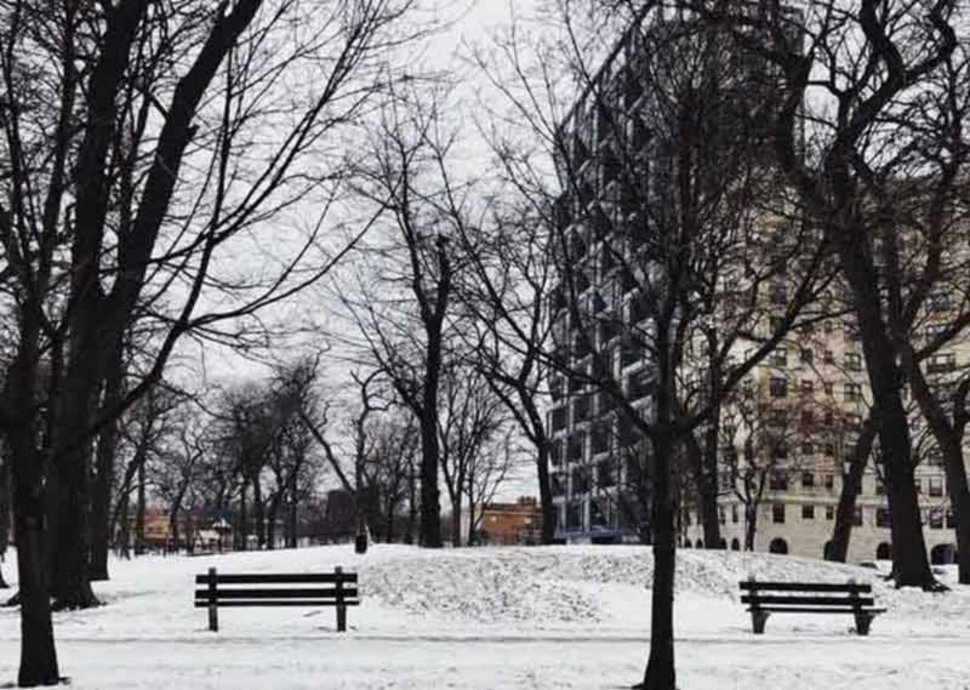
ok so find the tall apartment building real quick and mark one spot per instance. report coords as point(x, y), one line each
point(618, 144)
point(787, 432)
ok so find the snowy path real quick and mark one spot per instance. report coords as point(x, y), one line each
point(498, 619)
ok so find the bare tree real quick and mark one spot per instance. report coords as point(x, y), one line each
point(849, 136)
point(667, 221)
point(131, 178)
point(410, 180)
point(468, 422)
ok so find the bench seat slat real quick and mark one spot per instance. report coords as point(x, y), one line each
point(821, 609)
point(806, 586)
point(276, 593)
point(278, 579)
point(769, 599)
point(281, 602)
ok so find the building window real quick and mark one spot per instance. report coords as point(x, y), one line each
point(882, 517)
point(807, 386)
point(880, 487)
point(936, 519)
point(558, 419)
point(778, 513)
point(830, 449)
point(581, 483)
point(779, 357)
point(808, 480)
point(721, 515)
point(918, 485)
point(734, 513)
point(951, 521)
point(828, 357)
point(936, 486)
point(940, 301)
point(829, 512)
point(779, 293)
point(778, 416)
point(853, 361)
point(857, 517)
point(941, 361)
point(829, 481)
point(807, 355)
point(778, 387)
point(808, 512)
point(779, 481)
point(853, 392)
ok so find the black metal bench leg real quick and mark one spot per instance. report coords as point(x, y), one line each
point(862, 621)
point(758, 620)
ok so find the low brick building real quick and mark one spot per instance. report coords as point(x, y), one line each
point(511, 523)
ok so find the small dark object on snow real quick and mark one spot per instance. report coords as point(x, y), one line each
point(360, 542)
point(763, 599)
point(340, 595)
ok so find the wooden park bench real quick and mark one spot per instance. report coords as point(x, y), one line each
point(765, 598)
point(300, 589)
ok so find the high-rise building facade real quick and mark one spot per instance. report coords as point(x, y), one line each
point(789, 429)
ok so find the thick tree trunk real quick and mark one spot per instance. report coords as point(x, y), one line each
point(412, 506)
point(38, 657)
point(538, 433)
point(101, 503)
point(546, 507)
point(705, 479)
point(5, 507)
point(750, 525)
point(273, 513)
point(838, 548)
point(949, 439)
point(456, 503)
point(173, 529)
point(660, 673)
point(140, 512)
point(910, 564)
point(292, 536)
point(259, 513)
point(241, 543)
point(430, 526)
point(70, 586)
point(124, 526)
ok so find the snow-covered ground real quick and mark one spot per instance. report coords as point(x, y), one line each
point(551, 617)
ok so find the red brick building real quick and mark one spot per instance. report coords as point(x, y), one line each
point(512, 523)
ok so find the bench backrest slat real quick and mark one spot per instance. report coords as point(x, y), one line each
point(807, 601)
point(276, 593)
point(847, 587)
point(278, 579)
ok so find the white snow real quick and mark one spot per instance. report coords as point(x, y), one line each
point(549, 617)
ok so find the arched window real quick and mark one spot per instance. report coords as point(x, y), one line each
point(942, 554)
point(778, 545)
point(884, 551)
point(735, 544)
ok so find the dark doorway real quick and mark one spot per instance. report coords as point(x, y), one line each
point(778, 545)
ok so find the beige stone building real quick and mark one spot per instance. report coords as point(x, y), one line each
point(805, 408)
